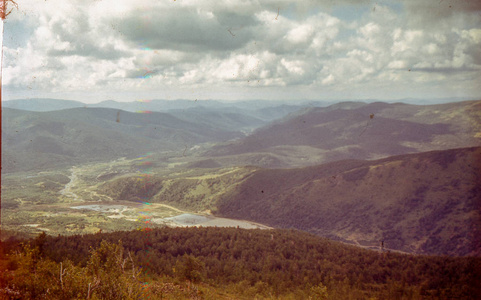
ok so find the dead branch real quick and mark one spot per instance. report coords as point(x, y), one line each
point(62, 273)
point(93, 287)
point(133, 266)
point(3, 8)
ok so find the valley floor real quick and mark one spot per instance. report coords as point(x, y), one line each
point(69, 202)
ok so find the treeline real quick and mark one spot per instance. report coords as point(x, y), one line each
point(211, 262)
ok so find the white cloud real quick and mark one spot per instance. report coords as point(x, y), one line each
point(300, 35)
point(265, 48)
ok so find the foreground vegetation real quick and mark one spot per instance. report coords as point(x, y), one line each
point(224, 263)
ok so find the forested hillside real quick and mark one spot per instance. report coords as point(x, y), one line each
point(419, 203)
point(48, 140)
point(220, 263)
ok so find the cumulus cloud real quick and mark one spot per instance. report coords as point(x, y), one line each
point(186, 30)
point(267, 48)
point(434, 12)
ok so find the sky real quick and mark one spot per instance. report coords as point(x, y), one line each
point(129, 50)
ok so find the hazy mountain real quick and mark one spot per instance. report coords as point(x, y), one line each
point(228, 119)
point(41, 104)
point(156, 105)
point(34, 140)
point(433, 101)
point(249, 107)
point(237, 115)
point(422, 203)
point(354, 130)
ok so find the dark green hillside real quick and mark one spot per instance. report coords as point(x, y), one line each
point(421, 203)
point(153, 125)
point(44, 140)
point(360, 131)
point(241, 264)
point(194, 190)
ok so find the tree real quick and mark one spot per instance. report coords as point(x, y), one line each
point(189, 268)
point(319, 292)
point(112, 274)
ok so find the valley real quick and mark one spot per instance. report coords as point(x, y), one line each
point(359, 173)
point(396, 201)
point(71, 202)
point(220, 150)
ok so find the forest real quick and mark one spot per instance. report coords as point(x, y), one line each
point(224, 263)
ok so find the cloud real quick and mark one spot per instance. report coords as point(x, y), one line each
point(249, 47)
point(435, 13)
point(186, 30)
point(441, 8)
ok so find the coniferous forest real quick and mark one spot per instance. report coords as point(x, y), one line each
point(224, 263)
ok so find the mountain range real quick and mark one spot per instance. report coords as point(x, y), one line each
point(42, 140)
point(47, 104)
point(262, 109)
point(362, 173)
point(354, 130)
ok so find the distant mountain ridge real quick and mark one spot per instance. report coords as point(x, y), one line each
point(34, 140)
point(238, 115)
point(41, 104)
point(284, 136)
point(353, 130)
point(49, 104)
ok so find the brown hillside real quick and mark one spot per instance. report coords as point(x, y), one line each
point(359, 131)
point(422, 203)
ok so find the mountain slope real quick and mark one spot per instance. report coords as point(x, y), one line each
point(228, 119)
point(354, 130)
point(34, 140)
point(421, 203)
point(418, 203)
point(237, 115)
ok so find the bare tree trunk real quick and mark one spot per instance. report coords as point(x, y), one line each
point(92, 287)
point(62, 273)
